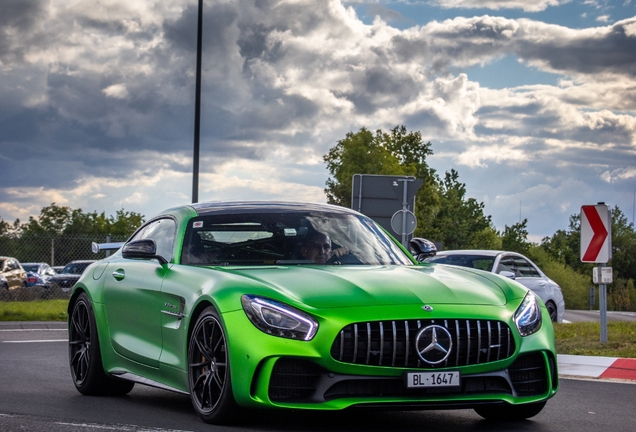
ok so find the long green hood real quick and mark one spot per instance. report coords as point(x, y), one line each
point(351, 286)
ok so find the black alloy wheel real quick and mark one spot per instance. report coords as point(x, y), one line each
point(85, 356)
point(209, 370)
point(552, 310)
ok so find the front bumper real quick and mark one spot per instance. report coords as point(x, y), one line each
point(531, 377)
point(269, 371)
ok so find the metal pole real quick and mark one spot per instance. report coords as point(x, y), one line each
point(405, 206)
point(197, 108)
point(602, 300)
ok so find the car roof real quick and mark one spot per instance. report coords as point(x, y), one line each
point(472, 252)
point(231, 207)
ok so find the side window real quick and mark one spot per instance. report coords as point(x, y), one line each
point(162, 231)
point(506, 264)
point(525, 269)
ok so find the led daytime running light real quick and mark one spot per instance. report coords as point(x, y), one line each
point(528, 315)
point(278, 319)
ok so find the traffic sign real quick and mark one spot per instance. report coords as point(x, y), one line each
point(596, 234)
point(602, 275)
point(403, 222)
point(381, 196)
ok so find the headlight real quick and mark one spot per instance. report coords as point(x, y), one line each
point(279, 319)
point(528, 315)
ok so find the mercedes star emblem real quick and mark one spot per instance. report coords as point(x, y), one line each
point(433, 344)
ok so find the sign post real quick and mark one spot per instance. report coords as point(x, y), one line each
point(596, 247)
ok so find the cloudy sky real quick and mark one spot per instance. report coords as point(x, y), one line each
point(532, 102)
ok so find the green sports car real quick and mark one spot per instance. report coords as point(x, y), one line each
point(304, 306)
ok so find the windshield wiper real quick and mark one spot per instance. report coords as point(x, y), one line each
point(298, 261)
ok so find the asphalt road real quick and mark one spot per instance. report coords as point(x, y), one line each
point(594, 315)
point(37, 395)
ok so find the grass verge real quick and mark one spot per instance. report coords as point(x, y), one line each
point(38, 310)
point(583, 338)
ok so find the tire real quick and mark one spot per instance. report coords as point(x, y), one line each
point(552, 310)
point(84, 354)
point(510, 412)
point(209, 370)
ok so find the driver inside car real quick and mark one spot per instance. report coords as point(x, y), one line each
point(317, 248)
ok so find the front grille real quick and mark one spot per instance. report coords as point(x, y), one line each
point(528, 375)
point(392, 343)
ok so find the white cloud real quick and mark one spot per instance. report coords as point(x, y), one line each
point(528, 6)
point(102, 96)
point(116, 91)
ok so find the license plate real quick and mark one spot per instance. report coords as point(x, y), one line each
point(432, 379)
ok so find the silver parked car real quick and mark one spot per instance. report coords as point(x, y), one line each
point(512, 265)
point(38, 274)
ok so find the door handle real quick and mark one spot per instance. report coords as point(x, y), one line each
point(119, 274)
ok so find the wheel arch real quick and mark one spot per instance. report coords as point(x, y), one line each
point(196, 311)
point(71, 301)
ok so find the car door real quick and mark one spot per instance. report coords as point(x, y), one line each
point(14, 274)
point(132, 296)
point(526, 274)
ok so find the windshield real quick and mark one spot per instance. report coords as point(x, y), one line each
point(481, 262)
point(30, 268)
point(289, 238)
point(75, 268)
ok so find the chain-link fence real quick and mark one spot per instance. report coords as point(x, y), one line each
point(55, 251)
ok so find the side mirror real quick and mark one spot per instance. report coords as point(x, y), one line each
point(142, 249)
point(508, 274)
point(422, 248)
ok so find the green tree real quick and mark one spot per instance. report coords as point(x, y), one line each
point(57, 220)
point(515, 238)
point(443, 211)
point(623, 246)
point(125, 223)
point(365, 153)
point(564, 245)
point(459, 222)
point(52, 221)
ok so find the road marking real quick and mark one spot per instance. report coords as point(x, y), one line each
point(37, 341)
point(119, 427)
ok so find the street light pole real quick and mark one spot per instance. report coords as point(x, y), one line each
point(197, 109)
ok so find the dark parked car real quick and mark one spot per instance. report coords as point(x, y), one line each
point(12, 275)
point(38, 274)
point(70, 274)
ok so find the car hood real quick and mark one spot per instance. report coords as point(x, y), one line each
point(351, 286)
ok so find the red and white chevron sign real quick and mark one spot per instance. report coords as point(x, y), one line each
point(596, 234)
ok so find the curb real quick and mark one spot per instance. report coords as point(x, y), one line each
point(608, 368)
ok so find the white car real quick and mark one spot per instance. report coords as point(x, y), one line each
point(512, 265)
